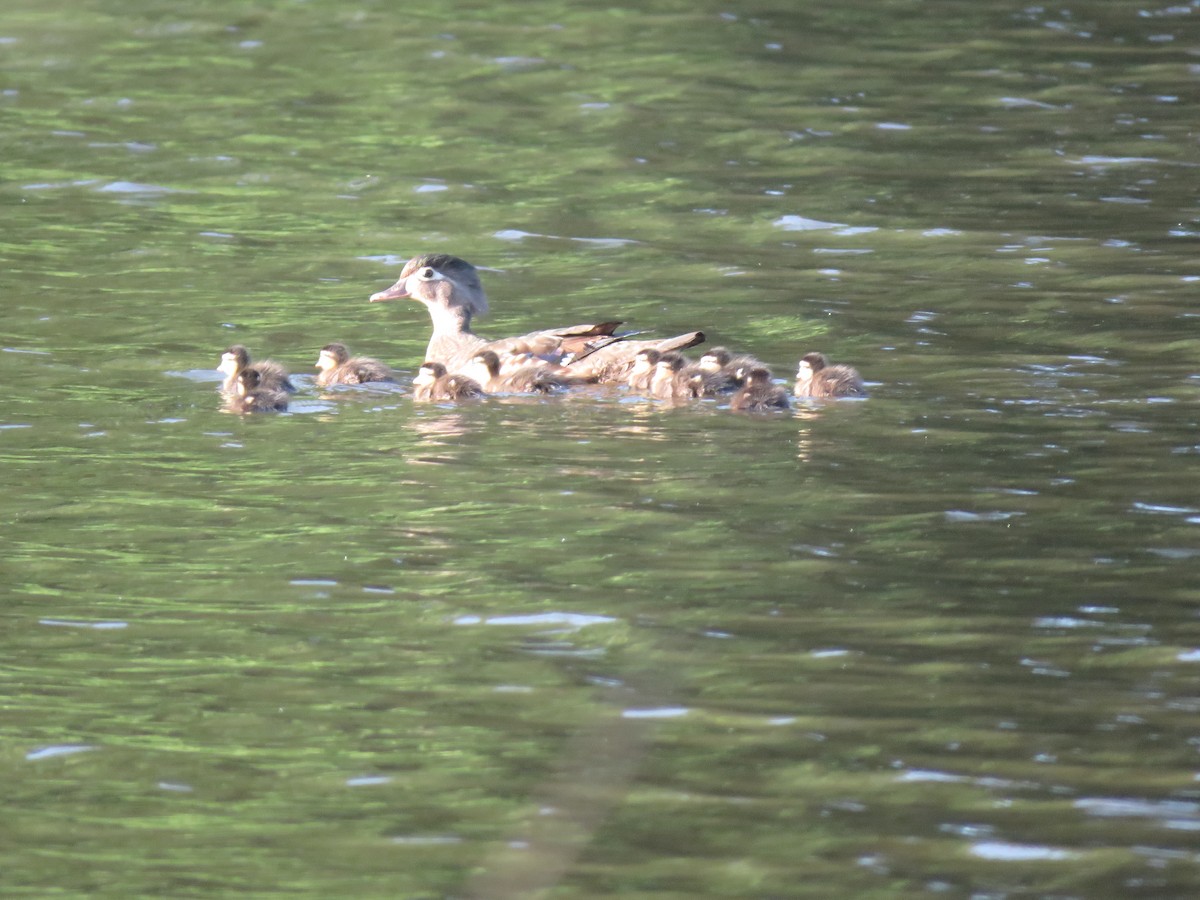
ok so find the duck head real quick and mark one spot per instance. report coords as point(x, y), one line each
point(429, 373)
point(234, 359)
point(439, 280)
point(715, 360)
point(332, 356)
point(810, 365)
point(484, 366)
point(645, 361)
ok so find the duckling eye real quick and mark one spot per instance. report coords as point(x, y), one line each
point(426, 273)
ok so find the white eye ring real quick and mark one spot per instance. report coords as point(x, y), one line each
point(427, 273)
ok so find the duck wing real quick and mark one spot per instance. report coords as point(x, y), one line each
point(611, 363)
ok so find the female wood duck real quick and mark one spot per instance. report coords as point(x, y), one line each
point(251, 395)
point(236, 359)
point(339, 367)
point(758, 392)
point(433, 382)
point(817, 378)
point(451, 291)
point(486, 368)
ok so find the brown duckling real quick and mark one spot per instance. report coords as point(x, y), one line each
point(433, 382)
point(251, 395)
point(486, 368)
point(817, 378)
point(668, 381)
point(451, 291)
point(716, 372)
point(708, 384)
point(719, 360)
point(236, 359)
point(339, 367)
point(641, 373)
point(758, 392)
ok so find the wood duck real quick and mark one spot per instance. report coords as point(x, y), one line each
point(719, 361)
point(251, 395)
point(641, 373)
point(716, 372)
point(339, 367)
point(815, 377)
point(236, 359)
point(758, 392)
point(669, 381)
point(433, 382)
point(487, 369)
point(451, 291)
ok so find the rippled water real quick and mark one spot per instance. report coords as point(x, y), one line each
point(943, 641)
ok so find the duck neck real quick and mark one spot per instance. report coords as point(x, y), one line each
point(450, 320)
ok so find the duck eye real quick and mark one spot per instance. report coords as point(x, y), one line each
point(426, 273)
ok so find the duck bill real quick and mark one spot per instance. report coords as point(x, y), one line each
point(395, 292)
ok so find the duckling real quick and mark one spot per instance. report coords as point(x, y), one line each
point(719, 360)
point(716, 372)
point(236, 359)
point(704, 384)
point(759, 393)
point(339, 367)
point(485, 367)
point(250, 395)
point(452, 293)
point(434, 383)
point(668, 381)
point(645, 362)
point(817, 378)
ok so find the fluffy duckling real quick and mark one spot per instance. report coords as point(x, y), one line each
point(719, 360)
point(236, 359)
point(716, 372)
point(758, 392)
point(708, 384)
point(339, 367)
point(817, 378)
point(251, 395)
point(486, 368)
point(434, 383)
point(644, 364)
point(668, 381)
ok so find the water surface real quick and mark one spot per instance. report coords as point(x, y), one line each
point(943, 641)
